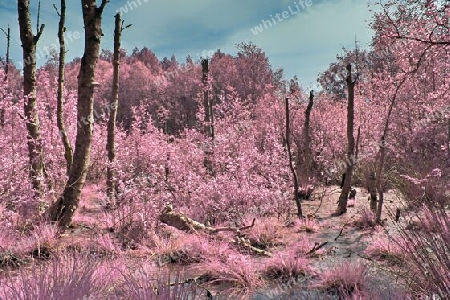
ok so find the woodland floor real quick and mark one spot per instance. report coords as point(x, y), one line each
point(346, 236)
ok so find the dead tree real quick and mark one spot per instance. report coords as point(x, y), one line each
point(182, 222)
point(8, 45)
point(68, 151)
point(29, 41)
point(63, 209)
point(208, 116)
point(6, 67)
point(372, 189)
point(382, 154)
point(307, 137)
point(342, 206)
point(291, 164)
point(113, 105)
point(342, 181)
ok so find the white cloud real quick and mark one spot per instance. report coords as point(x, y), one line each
point(303, 44)
point(307, 42)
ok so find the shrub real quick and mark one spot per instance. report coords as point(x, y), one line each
point(345, 280)
point(69, 276)
point(383, 248)
point(286, 265)
point(237, 271)
point(427, 250)
point(428, 253)
point(266, 233)
point(184, 249)
point(149, 284)
point(308, 225)
point(366, 219)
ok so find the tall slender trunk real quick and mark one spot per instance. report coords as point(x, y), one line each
point(291, 165)
point(63, 209)
point(382, 155)
point(29, 41)
point(307, 138)
point(372, 189)
point(448, 142)
point(68, 151)
point(8, 45)
point(110, 142)
point(208, 117)
point(342, 206)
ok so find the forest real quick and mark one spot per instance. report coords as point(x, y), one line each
point(124, 176)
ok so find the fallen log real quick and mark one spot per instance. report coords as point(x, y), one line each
point(182, 222)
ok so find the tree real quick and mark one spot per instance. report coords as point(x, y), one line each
point(333, 80)
point(291, 163)
point(63, 209)
point(208, 116)
point(8, 43)
point(423, 21)
point(417, 32)
point(307, 137)
point(68, 151)
point(342, 206)
point(29, 41)
point(255, 74)
point(113, 105)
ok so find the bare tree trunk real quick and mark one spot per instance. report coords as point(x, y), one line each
point(307, 137)
point(110, 142)
point(342, 206)
point(208, 127)
point(8, 44)
point(372, 189)
point(291, 165)
point(29, 41)
point(358, 136)
point(68, 151)
point(382, 155)
point(63, 209)
point(380, 181)
point(208, 117)
point(448, 142)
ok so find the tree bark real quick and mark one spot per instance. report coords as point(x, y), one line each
point(372, 188)
point(182, 222)
point(208, 117)
point(380, 181)
point(110, 142)
point(68, 151)
point(342, 206)
point(448, 142)
point(291, 165)
point(382, 154)
point(63, 209)
point(307, 138)
point(29, 41)
point(8, 44)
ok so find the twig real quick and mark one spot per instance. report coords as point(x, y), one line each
point(345, 224)
point(321, 200)
point(316, 247)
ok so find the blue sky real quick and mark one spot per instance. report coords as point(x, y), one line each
point(304, 43)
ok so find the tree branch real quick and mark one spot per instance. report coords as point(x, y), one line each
point(54, 5)
point(38, 35)
point(102, 6)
